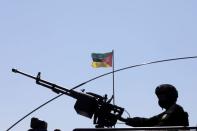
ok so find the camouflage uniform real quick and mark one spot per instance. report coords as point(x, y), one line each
point(174, 116)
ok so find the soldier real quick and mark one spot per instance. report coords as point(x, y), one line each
point(174, 115)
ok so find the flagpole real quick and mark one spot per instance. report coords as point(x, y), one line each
point(113, 77)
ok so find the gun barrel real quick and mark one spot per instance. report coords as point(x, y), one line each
point(17, 71)
point(52, 86)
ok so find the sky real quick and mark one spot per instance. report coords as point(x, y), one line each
point(57, 38)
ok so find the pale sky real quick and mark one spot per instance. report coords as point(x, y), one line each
point(57, 38)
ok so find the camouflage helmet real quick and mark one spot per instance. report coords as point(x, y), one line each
point(167, 90)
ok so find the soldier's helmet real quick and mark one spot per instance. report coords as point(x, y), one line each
point(167, 95)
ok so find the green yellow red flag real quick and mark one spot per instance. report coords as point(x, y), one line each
point(102, 59)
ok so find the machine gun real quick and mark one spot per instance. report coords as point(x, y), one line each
point(87, 104)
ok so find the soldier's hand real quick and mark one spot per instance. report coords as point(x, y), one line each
point(129, 121)
point(135, 121)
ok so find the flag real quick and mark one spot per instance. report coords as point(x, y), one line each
point(102, 59)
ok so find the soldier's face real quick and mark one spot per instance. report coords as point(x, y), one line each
point(164, 101)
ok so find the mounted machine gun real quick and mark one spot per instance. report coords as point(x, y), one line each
point(88, 104)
